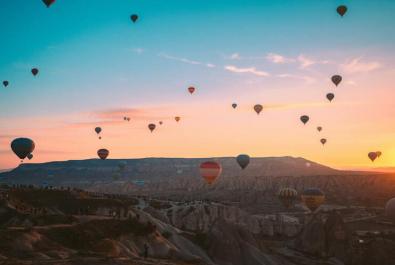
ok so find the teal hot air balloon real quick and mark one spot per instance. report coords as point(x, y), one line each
point(22, 147)
point(243, 160)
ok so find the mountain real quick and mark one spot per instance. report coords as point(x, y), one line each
point(85, 172)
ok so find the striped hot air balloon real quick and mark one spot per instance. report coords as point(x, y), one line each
point(210, 170)
point(287, 196)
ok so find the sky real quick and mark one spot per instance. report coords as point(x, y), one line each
point(96, 67)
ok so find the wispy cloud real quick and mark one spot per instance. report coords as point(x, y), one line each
point(248, 70)
point(234, 56)
point(356, 65)
point(184, 60)
point(307, 79)
point(278, 58)
point(138, 50)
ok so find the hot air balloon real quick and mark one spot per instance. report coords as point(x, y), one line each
point(161, 122)
point(125, 119)
point(191, 89)
point(341, 10)
point(128, 119)
point(313, 198)
point(319, 128)
point(390, 209)
point(243, 160)
point(22, 147)
point(48, 3)
point(210, 170)
point(372, 156)
point(151, 127)
point(378, 153)
point(5, 83)
point(234, 105)
point(287, 196)
point(134, 18)
point(177, 119)
point(304, 119)
point(258, 108)
point(98, 131)
point(323, 141)
point(330, 96)
point(30, 156)
point(103, 153)
point(336, 79)
point(34, 71)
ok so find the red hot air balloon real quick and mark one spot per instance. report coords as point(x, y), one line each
point(323, 141)
point(258, 108)
point(191, 89)
point(304, 119)
point(372, 156)
point(103, 153)
point(48, 3)
point(341, 10)
point(210, 170)
point(34, 71)
point(336, 79)
point(151, 127)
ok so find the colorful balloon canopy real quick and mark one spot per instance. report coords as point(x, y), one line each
point(34, 71)
point(390, 209)
point(103, 153)
point(304, 119)
point(22, 147)
point(191, 89)
point(151, 127)
point(234, 105)
point(323, 141)
point(258, 108)
point(5, 83)
point(243, 160)
point(336, 79)
point(177, 119)
point(319, 128)
point(287, 196)
point(313, 198)
point(330, 96)
point(210, 170)
point(134, 18)
point(341, 10)
point(372, 156)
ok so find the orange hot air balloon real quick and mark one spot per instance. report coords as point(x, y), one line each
point(372, 156)
point(103, 153)
point(378, 153)
point(210, 170)
point(191, 89)
point(177, 119)
point(151, 127)
point(258, 108)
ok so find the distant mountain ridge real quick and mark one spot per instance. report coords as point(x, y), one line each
point(157, 169)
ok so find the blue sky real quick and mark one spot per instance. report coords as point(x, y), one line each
point(92, 58)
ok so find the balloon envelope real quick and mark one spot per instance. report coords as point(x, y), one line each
point(304, 119)
point(319, 128)
point(210, 170)
point(98, 130)
point(330, 96)
point(323, 141)
point(34, 71)
point(287, 196)
point(5, 83)
point(336, 79)
point(177, 119)
point(341, 10)
point(30, 156)
point(151, 127)
point(390, 209)
point(258, 108)
point(22, 147)
point(378, 153)
point(234, 105)
point(191, 89)
point(134, 18)
point(313, 198)
point(103, 153)
point(243, 160)
point(48, 3)
point(372, 156)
